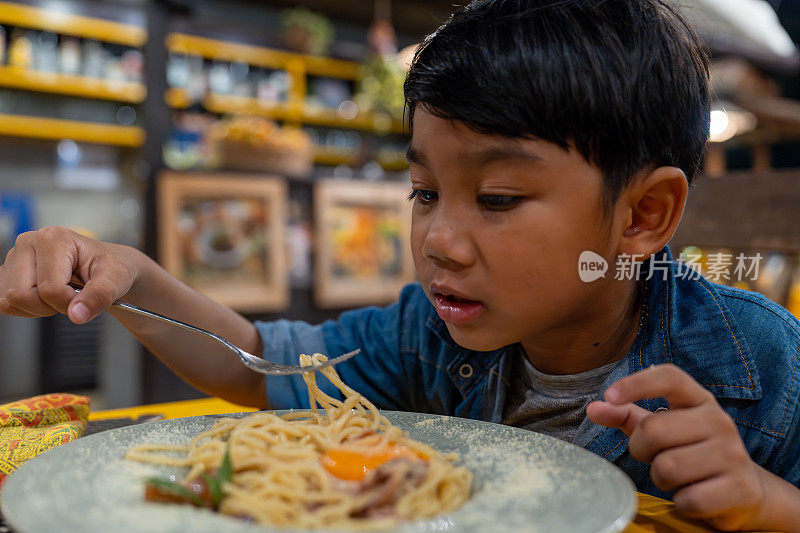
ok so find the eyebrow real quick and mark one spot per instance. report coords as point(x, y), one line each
point(479, 157)
point(500, 153)
point(415, 156)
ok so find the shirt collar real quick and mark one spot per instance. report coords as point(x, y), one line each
point(466, 368)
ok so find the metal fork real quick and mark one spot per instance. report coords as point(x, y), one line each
point(250, 361)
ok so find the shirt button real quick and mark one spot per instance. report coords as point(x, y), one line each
point(465, 371)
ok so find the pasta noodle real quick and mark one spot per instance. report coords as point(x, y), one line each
point(341, 466)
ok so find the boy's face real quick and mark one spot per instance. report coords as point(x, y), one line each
point(497, 229)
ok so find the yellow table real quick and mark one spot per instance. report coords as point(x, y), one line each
point(654, 515)
point(205, 406)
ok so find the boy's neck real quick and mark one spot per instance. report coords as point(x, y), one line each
point(601, 339)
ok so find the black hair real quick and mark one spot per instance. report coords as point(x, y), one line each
point(623, 81)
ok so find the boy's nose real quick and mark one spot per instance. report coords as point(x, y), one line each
point(448, 244)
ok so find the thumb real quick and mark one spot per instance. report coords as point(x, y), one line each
point(624, 417)
point(96, 296)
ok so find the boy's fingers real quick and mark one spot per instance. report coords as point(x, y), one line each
point(712, 497)
point(8, 309)
point(669, 430)
point(660, 381)
point(624, 417)
point(5, 307)
point(20, 291)
point(19, 269)
point(54, 266)
point(683, 465)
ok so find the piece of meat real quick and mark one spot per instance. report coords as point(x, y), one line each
point(382, 487)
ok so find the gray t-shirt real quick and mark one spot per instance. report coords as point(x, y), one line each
point(551, 404)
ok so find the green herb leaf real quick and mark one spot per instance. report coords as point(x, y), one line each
point(215, 488)
point(224, 475)
point(225, 472)
point(175, 488)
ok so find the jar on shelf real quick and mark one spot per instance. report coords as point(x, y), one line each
point(20, 53)
point(69, 56)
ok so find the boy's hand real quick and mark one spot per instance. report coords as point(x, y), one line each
point(34, 276)
point(695, 450)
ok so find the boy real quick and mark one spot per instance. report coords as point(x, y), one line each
point(542, 129)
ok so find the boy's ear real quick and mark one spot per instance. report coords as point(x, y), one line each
point(653, 206)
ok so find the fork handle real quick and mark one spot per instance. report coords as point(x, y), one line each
point(152, 314)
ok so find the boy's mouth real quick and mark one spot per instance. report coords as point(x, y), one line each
point(456, 309)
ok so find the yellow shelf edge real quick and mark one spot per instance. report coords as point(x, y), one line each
point(71, 85)
point(57, 129)
point(334, 156)
point(69, 24)
point(332, 68)
point(393, 165)
point(364, 121)
point(226, 104)
point(261, 56)
point(342, 156)
point(177, 98)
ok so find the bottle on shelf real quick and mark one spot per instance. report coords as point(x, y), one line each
point(69, 56)
point(113, 70)
point(177, 70)
point(20, 53)
point(46, 52)
point(94, 60)
point(240, 80)
point(197, 83)
point(219, 78)
point(132, 64)
point(272, 87)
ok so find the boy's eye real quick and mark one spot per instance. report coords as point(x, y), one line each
point(498, 202)
point(423, 196)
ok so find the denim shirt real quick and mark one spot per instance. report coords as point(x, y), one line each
point(739, 345)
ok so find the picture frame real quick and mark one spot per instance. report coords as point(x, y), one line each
point(225, 235)
point(362, 235)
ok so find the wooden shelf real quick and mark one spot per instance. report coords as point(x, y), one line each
point(79, 131)
point(177, 98)
point(364, 121)
point(69, 24)
point(334, 156)
point(298, 67)
point(259, 56)
point(71, 85)
point(342, 156)
point(225, 104)
point(394, 165)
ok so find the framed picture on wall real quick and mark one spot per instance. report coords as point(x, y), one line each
point(225, 236)
point(362, 232)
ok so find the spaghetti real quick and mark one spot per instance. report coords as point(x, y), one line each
point(344, 466)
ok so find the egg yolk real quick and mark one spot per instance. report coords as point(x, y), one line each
point(353, 466)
